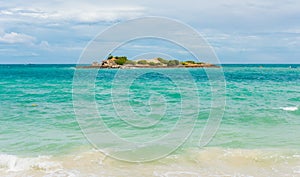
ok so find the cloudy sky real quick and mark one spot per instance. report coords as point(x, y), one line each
point(57, 31)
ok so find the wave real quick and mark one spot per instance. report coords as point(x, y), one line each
point(12, 163)
point(188, 162)
point(291, 108)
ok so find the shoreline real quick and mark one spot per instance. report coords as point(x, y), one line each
point(199, 162)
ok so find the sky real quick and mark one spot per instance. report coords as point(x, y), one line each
point(57, 31)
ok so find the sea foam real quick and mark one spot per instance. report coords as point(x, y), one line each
point(12, 163)
point(291, 108)
point(191, 162)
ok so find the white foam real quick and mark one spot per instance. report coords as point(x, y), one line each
point(175, 173)
point(13, 163)
point(193, 162)
point(292, 108)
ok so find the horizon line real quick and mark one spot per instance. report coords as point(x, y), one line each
point(90, 63)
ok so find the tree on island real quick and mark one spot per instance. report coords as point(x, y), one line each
point(173, 63)
point(121, 60)
point(163, 61)
point(110, 57)
point(118, 60)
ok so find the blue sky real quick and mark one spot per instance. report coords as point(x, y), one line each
point(248, 31)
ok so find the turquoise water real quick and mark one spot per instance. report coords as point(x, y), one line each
point(37, 117)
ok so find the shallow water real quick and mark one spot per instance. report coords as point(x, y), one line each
point(258, 136)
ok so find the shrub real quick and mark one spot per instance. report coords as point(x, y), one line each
point(130, 62)
point(176, 62)
point(152, 64)
point(184, 63)
point(163, 61)
point(120, 60)
point(142, 62)
point(190, 61)
point(173, 63)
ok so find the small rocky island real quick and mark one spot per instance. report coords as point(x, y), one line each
point(123, 62)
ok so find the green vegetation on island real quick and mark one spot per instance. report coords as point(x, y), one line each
point(124, 62)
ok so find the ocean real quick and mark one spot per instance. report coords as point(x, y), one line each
point(47, 130)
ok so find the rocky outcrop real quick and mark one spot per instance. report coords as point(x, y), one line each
point(109, 63)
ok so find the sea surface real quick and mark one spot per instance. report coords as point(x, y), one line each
point(41, 127)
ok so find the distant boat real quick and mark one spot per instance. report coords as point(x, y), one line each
point(292, 67)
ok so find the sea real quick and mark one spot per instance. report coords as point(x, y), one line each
point(59, 120)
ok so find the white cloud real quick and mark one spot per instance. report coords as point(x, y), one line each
point(44, 45)
point(16, 38)
point(235, 28)
point(85, 14)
